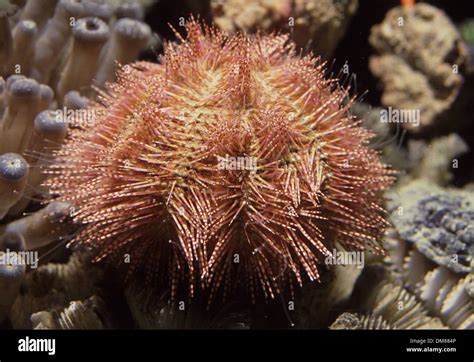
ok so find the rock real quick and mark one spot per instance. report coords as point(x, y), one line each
point(320, 24)
point(439, 157)
point(438, 222)
point(421, 56)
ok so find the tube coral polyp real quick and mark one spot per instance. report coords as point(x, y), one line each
point(147, 180)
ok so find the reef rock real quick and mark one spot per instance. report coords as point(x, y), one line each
point(421, 58)
point(319, 24)
point(439, 222)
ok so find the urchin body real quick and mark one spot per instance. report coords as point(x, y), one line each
point(232, 162)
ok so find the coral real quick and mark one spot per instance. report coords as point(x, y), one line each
point(53, 286)
point(438, 222)
point(51, 48)
point(10, 279)
point(89, 34)
point(235, 15)
point(401, 309)
point(13, 177)
point(445, 294)
point(78, 315)
point(379, 296)
point(432, 251)
point(355, 321)
point(128, 39)
point(42, 227)
point(320, 24)
point(11, 271)
point(232, 163)
point(50, 52)
point(421, 58)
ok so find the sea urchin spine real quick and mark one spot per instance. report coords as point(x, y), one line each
point(234, 161)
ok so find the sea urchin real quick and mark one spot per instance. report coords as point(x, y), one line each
point(232, 162)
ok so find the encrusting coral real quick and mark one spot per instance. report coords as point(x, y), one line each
point(432, 252)
point(233, 163)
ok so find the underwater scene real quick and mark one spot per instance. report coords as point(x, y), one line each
point(239, 164)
